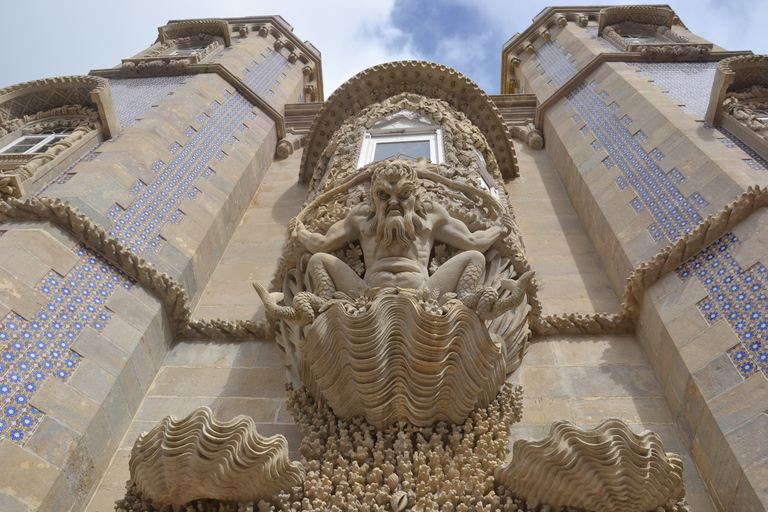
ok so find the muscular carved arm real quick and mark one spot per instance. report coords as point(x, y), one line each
point(339, 235)
point(456, 234)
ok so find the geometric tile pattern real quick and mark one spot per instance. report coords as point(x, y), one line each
point(737, 296)
point(136, 96)
point(262, 76)
point(556, 64)
point(673, 214)
point(32, 351)
point(689, 82)
point(35, 350)
point(752, 159)
point(605, 43)
point(157, 202)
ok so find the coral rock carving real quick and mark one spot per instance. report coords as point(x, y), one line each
point(179, 461)
point(606, 469)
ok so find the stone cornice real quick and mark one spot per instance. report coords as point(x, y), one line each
point(29, 98)
point(659, 15)
point(424, 78)
point(188, 28)
point(281, 30)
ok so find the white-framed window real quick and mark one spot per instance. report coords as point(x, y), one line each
point(188, 49)
point(36, 143)
point(761, 114)
point(486, 180)
point(403, 135)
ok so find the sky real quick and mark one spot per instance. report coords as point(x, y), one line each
point(53, 38)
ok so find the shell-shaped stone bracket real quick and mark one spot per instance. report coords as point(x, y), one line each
point(238, 464)
point(397, 361)
point(608, 469)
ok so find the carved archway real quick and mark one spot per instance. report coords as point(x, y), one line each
point(422, 78)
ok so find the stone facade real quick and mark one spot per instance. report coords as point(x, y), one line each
point(637, 188)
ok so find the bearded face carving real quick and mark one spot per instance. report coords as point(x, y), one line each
point(396, 209)
point(410, 314)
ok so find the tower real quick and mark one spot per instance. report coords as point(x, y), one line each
point(139, 202)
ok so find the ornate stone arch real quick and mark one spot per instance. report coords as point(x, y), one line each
point(80, 106)
point(420, 78)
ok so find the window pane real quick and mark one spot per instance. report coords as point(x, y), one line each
point(50, 142)
point(24, 144)
point(414, 149)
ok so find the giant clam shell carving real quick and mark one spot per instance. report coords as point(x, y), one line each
point(394, 361)
point(606, 469)
point(198, 457)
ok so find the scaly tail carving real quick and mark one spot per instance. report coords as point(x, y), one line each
point(486, 302)
point(305, 306)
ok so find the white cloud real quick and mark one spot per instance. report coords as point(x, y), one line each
point(52, 38)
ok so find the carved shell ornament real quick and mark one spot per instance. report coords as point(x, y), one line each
point(605, 469)
point(391, 354)
point(238, 464)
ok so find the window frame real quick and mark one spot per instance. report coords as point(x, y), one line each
point(431, 133)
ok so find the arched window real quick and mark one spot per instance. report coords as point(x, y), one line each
point(405, 134)
point(38, 142)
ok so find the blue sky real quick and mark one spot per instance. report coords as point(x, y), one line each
point(53, 38)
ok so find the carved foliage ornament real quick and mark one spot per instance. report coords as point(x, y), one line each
point(750, 107)
point(77, 121)
point(643, 14)
point(189, 28)
point(629, 35)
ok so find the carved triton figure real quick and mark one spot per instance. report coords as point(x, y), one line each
point(397, 229)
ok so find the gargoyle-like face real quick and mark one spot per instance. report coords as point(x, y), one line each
point(394, 198)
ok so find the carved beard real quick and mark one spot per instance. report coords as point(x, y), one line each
point(396, 230)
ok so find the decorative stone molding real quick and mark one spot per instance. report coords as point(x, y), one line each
point(561, 20)
point(149, 67)
point(424, 78)
point(529, 134)
point(529, 49)
point(737, 74)
point(545, 34)
point(608, 468)
point(218, 329)
point(288, 145)
point(29, 98)
point(664, 35)
point(742, 107)
point(199, 457)
point(642, 14)
point(195, 28)
point(16, 169)
point(675, 53)
point(646, 274)
point(403, 467)
point(171, 64)
point(171, 293)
